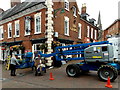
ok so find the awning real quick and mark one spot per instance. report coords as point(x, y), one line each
point(14, 43)
point(65, 41)
point(40, 40)
point(3, 43)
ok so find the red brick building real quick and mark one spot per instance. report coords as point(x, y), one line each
point(113, 30)
point(28, 25)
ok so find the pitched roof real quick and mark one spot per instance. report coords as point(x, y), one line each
point(18, 8)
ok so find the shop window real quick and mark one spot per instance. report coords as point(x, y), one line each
point(9, 30)
point(79, 31)
point(88, 31)
point(17, 28)
point(1, 33)
point(27, 25)
point(66, 26)
point(37, 23)
point(66, 4)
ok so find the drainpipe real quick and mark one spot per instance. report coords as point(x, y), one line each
point(49, 29)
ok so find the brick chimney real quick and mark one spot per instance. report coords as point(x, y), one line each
point(15, 2)
point(83, 9)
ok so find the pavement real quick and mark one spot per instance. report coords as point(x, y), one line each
point(26, 79)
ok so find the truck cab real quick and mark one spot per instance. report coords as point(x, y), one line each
point(99, 53)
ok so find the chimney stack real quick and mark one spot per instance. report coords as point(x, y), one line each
point(1, 10)
point(15, 2)
point(83, 9)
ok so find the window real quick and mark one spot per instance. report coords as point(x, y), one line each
point(79, 31)
point(37, 23)
point(74, 11)
point(66, 5)
point(17, 28)
point(66, 26)
point(9, 30)
point(1, 33)
point(27, 25)
point(95, 37)
point(88, 31)
point(104, 48)
point(92, 33)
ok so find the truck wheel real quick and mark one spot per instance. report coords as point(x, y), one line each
point(73, 70)
point(107, 70)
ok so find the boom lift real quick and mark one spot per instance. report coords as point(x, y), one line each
point(97, 56)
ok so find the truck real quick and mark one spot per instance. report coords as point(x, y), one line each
point(116, 47)
point(97, 56)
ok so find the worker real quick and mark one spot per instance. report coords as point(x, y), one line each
point(39, 65)
point(13, 64)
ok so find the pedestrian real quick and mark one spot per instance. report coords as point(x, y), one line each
point(40, 66)
point(13, 64)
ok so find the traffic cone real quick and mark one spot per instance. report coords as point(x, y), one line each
point(51, 77)
point(108, 83)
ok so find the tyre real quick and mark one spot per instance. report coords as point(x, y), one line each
point(73, 70)
point(107, 70)
point(118, 72)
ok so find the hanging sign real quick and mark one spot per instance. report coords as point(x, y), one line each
point(3, 48)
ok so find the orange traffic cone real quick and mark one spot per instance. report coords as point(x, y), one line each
point(51, 77)
point(108, 83)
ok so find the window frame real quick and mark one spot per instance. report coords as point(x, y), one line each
point(2, 33)
point(88, 31)
point(9, 27)
point(17, 22)
point(92, 31)
point(66, 19)
point(35, 16)
point(66, 5)
point(29, 26)
point(74, 11)
point(95, 35)
point(79, 31)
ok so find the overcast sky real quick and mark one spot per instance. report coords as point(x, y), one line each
point(107, 8)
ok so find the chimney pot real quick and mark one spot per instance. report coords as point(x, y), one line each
point(83, 9)
point(15, 2)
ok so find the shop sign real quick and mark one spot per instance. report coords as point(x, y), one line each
point(3, 48)
point(73, 28)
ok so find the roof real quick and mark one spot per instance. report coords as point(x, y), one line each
point(18, 8)
point(113, 23)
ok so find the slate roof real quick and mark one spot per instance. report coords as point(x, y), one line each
point(20, 7)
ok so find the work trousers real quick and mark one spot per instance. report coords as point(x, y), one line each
point(13, 69)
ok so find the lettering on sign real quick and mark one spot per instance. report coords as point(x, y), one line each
point(73, 28)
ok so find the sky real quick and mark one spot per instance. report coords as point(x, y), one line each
point(108, 9)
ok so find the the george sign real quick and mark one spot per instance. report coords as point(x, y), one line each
point(74, 28)
point(3, 48)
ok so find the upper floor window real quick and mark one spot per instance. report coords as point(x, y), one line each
point(88, 31)
point(79, 31)
point(17, 28)
point(95, 37)
point(66, 26)
point(1, 33)
point(27, 25)
point(74, 11)
point(92, 33)
point(66, 4)
point(37, 23)
point(9, 30)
